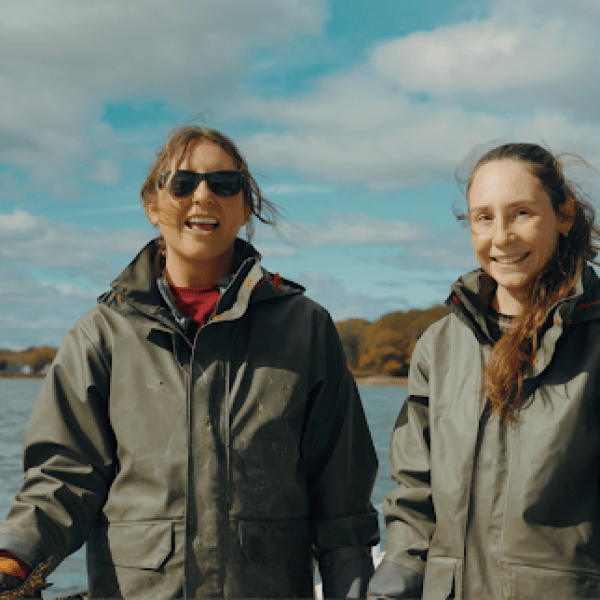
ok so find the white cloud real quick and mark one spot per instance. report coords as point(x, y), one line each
point(62, 60)
point(416, 105)
point(17, 224)
point(276, 250)
point(404, 116)
point(351, 229)
point(90, 252)
point(443, 250)
point(339, 228)
point(284, 189)
point(356, 130)
point(32, 314)
point(537, 61)
point(386, 140)
point(72, 291)
point(586, 11)
point(480, 58)
point(52, 273)
point(175, 49)
point(343, 304)
point(106, 172)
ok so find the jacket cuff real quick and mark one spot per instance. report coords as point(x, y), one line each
point(357, 531)
point(23, 549)
point(392, 580)
point(346, 578)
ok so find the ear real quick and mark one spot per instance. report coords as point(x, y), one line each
point(151, 211)
point(566, 216)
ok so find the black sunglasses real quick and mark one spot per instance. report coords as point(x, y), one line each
point(184, 183)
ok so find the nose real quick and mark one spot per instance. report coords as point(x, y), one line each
point(502, 233)
point(202, 193)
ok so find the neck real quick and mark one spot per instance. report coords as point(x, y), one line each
point(506, 303)
point(197, 273)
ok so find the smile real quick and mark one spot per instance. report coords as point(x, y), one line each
point(509, 260)
point(202, 223)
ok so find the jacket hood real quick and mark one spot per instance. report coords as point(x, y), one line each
point(471, 295)
point(138, 283)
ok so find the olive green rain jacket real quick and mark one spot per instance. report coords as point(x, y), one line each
point(488, 510)
point(200, 465)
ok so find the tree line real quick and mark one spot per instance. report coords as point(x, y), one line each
point(30, 361)
point(384, 347)
point(381, 347)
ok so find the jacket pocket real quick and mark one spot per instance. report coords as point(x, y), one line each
point(440, 577)
point(536, 582)
point(144, 545)
point(132, 560)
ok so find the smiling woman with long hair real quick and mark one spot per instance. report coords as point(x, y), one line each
point(497, 447)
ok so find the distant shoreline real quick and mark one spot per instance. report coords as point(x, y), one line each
point(383, 380)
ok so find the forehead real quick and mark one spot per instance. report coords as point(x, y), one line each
point(205, 156)
point(502, 182)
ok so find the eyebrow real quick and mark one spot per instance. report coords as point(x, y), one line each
point(509, 205)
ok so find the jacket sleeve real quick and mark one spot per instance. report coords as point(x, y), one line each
point(341, 466)
point(408, 510)
point(68, 456)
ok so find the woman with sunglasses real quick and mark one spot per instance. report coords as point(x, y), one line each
point(497, 447)
point(199, 428)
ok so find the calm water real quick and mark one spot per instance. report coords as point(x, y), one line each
point(17, 397)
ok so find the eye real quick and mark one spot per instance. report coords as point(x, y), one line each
point(522, 212)
point(481, 217)
point(480, 222)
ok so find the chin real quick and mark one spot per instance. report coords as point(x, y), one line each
point(514, 284)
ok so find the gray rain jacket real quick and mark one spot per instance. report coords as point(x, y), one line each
point(491, 510)
point(196, 465)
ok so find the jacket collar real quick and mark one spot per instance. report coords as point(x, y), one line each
point(139, 283)
point(471, 294)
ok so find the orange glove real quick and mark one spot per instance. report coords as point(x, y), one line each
point(13, 565)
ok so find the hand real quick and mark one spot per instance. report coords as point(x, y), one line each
point(9, 583)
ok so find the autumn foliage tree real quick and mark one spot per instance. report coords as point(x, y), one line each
point(351, 331)
point(35, 357)
point(385, 346)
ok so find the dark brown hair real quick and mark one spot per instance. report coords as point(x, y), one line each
point(182, 141)
point(511, 357)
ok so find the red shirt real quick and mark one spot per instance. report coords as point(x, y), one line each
point(197, 303)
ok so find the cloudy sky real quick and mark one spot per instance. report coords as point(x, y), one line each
point(354, 115)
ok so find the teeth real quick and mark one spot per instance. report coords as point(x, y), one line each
point(202, 221)
point(508, 261)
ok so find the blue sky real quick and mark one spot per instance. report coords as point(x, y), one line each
point(354, 114)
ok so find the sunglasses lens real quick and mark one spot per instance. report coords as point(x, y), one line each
point(183, 183)
point(225, 183)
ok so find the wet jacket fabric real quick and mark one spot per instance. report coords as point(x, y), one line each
point(487, 509)
point(220, 463)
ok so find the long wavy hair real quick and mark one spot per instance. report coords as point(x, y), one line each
point(180, 142)
point(512, 356)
